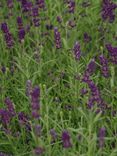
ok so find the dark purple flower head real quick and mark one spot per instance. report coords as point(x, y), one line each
point(26, 5)
point(59, 19)
point(10, 4)
point(19, 22)
point(57, 38)
point(8, 36)
point(49, 26)
point(3, 69)
point(35, 102)
point(84, 91)
point(40, 3)
point(21, 30)
point(21, 34)
point(71, 6)
point(77, 51)
point(24, 120)
point(113, 53)
point(104, 68)
point(72, 23)
point(35, 11)
point(102, 133)
point(66, 139)
point(9, 40)
point(4, 28)
point(10, 106)
point(38, 151)
point(108, 8)
point(87, 38)
point(5, 117)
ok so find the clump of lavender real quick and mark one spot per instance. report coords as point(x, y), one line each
point(66, 139)
point(57, 38)
point(102, 133)
point(40, 4)
point(8, 36)
point(104, 68)
point(35, 102)
point(21, 30)
point(71, 6)
point(108, 8)
point(35, 14)
point(113, 53)
point(77, 51)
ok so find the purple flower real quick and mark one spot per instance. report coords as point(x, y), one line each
point(57, 38)
point(19, 22)
point(8, 36)
point(108, 8)
point(104, 68)
point(3, 69)
point(66, 139)
point(87, 38)
point(59, 19)
point(35, 102)
point(5, 117)
point(10, 106)
point(113, 53)
point(21, 31)
point(10, 4)
point(71, 23)
point(4, 28)
point(84, 91)
point(71, 6)
point(24, 120)
point(77, 51)
point(91, 67)
point(102, 133)
point(35, 11)
point(40, 3)
point(38, 151)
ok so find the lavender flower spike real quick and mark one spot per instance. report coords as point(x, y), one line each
point(77, 51)
point(102, 133)
point(57, 38)
point(35, 97)
point(66, 139)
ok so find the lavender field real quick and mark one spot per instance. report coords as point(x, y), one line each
point(58, 77)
